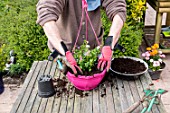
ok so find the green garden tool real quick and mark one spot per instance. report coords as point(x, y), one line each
point(154, 97)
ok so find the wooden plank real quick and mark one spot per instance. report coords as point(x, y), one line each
point(109, 97)
point(168, 19)
point(77, 104)
point(37, 100)
point(164, 4)
point(42, 106)
point(96, 108)
point(33, 95)
point(86, 102)
point(135, 95)
point(57, 99)
point(64, 96)
point(70, 105)
point(51, 99)
point(116, 96)
point(140, 89)
point(25, 85)
point(122, 94)
point(128, 93)
point(102, 98)
point(29, 89)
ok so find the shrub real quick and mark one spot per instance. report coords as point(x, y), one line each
point(3, 57)
point(16, 69)
point(135, 11)
point(22, 34)
point(131, 38)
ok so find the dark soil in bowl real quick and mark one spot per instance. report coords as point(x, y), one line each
point(127, 65)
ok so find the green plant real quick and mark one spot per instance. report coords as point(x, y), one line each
point(135, 11)
point(20, 32)
point(85, 57)
point(3, 57)
point(16, 69)
point(153, 57)
point(130, 39)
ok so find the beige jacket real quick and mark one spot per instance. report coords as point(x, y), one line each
point(67, 14)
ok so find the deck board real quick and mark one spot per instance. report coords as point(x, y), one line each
point(113, 95)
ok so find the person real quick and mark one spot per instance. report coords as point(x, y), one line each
point(60, 20)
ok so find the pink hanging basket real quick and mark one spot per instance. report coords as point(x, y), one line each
point(86, 82)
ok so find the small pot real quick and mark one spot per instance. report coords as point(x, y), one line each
point(85, 83)
point(155, 75)
point(45, 86)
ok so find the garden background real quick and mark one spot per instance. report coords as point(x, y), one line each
point(19, 32)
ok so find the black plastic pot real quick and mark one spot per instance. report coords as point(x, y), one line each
point(45, 86)
point(155, 75)
point(1, 84)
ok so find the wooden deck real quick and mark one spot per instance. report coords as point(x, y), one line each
point(113, 95)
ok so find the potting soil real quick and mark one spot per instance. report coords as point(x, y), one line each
point(127, 65)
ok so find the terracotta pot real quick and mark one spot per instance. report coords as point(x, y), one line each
point(156, 74)
point(85, 83)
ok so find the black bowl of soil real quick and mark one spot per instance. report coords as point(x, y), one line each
point(128, 66)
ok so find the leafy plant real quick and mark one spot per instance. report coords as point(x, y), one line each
point(135, 11)
point(3, 57)
point(130, 39)
point(20, 32)
point(85, 57)
point(16, 69)
point(153, 56)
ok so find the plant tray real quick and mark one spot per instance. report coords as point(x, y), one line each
point(166, 34)
point(132, 71)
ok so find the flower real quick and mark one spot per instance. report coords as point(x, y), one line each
point(153, 57)
point(86, 57)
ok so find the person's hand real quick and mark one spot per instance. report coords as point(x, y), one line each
point(105, 58)
point(72, 63)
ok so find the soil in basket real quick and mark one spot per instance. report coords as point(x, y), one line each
point(86, 73)
point(128, 66)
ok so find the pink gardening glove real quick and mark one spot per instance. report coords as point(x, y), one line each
point(105, 58)
point(72, 62)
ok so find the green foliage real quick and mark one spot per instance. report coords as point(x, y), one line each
point(16, 69)
point(3, 57)
point(85, 57)
point(135, 11)
point(132, 32)
point(131, 38)
point(21, 33)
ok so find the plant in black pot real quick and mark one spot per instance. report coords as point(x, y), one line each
point(153, 56)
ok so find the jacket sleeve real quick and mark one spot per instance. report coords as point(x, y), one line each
point(49, 10)
point(114, 7)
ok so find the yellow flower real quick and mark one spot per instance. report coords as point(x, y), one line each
point(156, 46)
point(148, 48)
point(153, 47)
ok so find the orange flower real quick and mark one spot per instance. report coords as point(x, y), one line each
point(155, 52)
point(156, 46)
point(148, 48)
point(151, 54)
